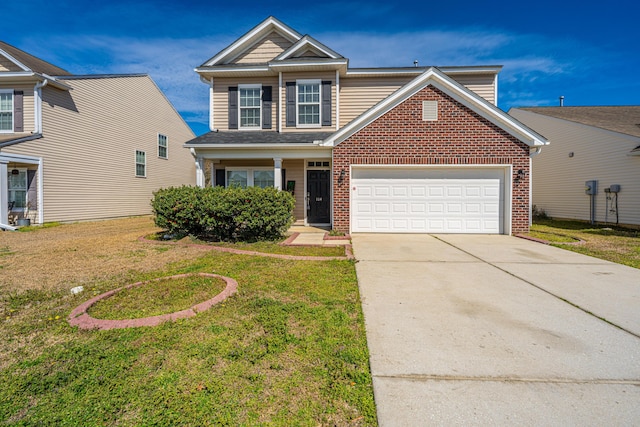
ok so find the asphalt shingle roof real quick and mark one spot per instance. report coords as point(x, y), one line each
point(623, 119)
point(33, 63)
point(258, 137)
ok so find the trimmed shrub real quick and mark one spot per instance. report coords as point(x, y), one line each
point(227, 214)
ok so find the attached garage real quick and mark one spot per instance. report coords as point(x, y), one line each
point(455, 199)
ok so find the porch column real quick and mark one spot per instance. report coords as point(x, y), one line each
point(200, 171)
point(277, 173)
point(4, 192)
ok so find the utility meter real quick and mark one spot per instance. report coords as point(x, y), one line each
point(591, 187)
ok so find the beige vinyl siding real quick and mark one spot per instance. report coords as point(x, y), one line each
point(27, 100)
point(264, 51)
point(292, 77)
point(559, 180)
point(357, 95)
point(90, 137)
point(483, 85)
point(221, 99)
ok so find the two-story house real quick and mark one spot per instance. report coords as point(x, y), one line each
point(81, 147)
point(415, 149)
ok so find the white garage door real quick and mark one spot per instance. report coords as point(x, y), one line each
point(427, 200)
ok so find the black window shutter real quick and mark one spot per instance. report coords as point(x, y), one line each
point(266, 107)
point(326, 103)
point(18, 111)
point(220, 177)
point(233, 107)
point(291, 104)
point(32, 192)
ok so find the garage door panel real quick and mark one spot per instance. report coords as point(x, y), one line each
point(446, 205)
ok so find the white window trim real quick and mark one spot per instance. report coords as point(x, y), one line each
point(249, 171)
point(13, 110)
point(135, 158)
point(249, 86)
point(308, 82)
point(166, 139)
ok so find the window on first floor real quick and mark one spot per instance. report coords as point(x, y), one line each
point(141, 163)
point(255, 177)
point(163, 146)
point(6, 111)
point(18, 188)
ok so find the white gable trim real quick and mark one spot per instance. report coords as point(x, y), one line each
point(434, 77)
point(14, 60)
point(239, 46)
point(306, 43)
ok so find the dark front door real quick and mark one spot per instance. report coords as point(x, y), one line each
point(318, 197)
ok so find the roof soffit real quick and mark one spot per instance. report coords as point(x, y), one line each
point(251, 38)
point(436, 78)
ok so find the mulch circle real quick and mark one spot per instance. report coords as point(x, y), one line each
point(80, 318)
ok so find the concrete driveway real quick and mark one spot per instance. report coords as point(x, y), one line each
point(497, 330)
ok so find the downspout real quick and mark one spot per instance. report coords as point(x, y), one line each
point(280, 102)
point(337, 100)
point(41, 191)
point(210, 83)
point(37, 105)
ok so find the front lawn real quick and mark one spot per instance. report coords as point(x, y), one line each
point(288, 349)
point(611, 243)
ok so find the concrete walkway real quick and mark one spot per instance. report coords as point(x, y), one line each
point(496, 330)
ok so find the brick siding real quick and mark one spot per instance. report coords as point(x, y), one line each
point(458, 137)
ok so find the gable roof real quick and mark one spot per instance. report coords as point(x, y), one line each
point(28, 62)
point(623, 119)
point(250, 38)
point(308, 43)
point(436, 78)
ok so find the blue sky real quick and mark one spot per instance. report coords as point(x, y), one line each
point(585, 50)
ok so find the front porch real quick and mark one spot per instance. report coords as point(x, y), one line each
point(21, 189)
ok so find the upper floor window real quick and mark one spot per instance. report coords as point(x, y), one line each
point(250, 103)
point(6, 110)
point(308, 103)
point(141, 164)
point(163, 146)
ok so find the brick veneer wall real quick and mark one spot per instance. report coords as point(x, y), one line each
point(458, 137)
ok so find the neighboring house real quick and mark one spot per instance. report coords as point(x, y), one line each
point(84, 147)
point(588, 144)
point(415, 149)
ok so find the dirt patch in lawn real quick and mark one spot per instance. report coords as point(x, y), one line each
point(75, 254)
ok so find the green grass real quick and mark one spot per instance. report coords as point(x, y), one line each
point(275, 248)
point(158, 297)
point(616, 244)
point(288, 349)
point(39, 227)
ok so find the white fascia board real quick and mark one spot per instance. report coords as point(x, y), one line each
point(262, 29)
point(281, 153)
point(204, 71)
point(276, 65)
point(19, 158)
point(458, 92)
point(403, 71)
point(14, 60)
point(253, 146)
point(302, 44)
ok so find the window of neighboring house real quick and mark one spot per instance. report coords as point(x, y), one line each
point(141, 164)
point(256, 177)
point(162, 146)
point(18, 188)
point(250, 106)
point(6, 110)
point(308, 103)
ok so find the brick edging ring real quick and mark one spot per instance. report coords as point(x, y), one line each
point(80, 318)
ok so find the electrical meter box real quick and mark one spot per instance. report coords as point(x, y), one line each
point(591, 187)
point(614, 188)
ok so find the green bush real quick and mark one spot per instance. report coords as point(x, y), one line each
point(227, 214)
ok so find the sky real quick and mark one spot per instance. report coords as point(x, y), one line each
point(586, 51)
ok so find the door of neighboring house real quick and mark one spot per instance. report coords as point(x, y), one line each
point(318, 197)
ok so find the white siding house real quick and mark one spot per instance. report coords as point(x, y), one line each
point(587, 144)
